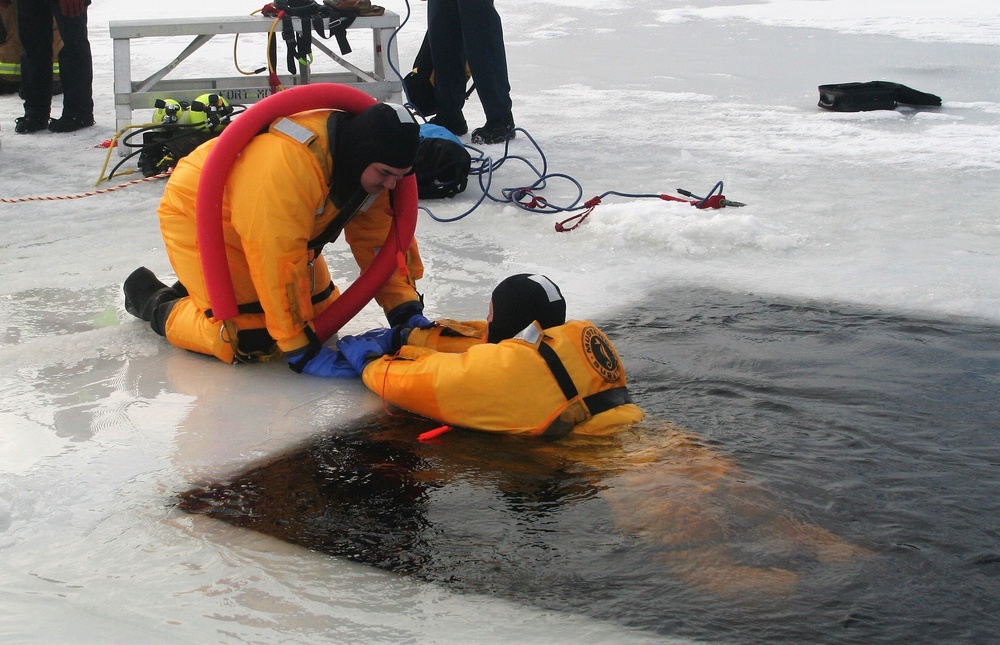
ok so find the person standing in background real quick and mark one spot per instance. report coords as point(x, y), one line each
point(34, 25)
point(10, 52)
point(469, 32)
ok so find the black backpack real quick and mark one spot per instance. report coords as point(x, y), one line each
point(419, 83)
point(442, 168)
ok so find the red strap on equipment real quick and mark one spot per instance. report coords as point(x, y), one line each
point(590, 204)
point(715, 201)
point(536, 201)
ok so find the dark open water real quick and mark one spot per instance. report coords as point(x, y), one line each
point(838, 481)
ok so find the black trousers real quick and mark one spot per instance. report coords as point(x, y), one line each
point(470, 31)
point(76, 65)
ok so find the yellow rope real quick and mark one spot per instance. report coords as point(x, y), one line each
point(52, 198)
point(236, 41)
point(113, 144)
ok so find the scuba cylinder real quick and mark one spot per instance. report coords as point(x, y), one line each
point(178, 128)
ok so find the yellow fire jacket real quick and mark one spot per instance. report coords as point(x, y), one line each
point(550, 383)
point(275, 202)
point(10, 48)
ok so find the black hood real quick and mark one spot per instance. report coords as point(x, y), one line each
point(522, 299)
point(384, 133)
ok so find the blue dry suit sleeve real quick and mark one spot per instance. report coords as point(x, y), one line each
point(359, 350)
point(330, 363)
point(319, 360)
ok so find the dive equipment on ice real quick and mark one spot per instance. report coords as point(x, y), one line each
point(177, 129)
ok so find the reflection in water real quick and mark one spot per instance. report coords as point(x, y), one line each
point(594, 524)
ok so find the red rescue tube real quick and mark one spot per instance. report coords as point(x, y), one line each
point(362, 290)
point(211, 188)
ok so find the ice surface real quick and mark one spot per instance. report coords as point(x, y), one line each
point(102, 421)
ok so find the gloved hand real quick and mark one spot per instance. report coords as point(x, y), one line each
point(418, 321)
point(387, 339)
point(409, 315)
point(325, 363)
point(358, 350)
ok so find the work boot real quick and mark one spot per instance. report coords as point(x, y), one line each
point(495, 131)
point(144, 293)
point(180, 289)
point(70, 123)
point(453, 122)
point(28, 124)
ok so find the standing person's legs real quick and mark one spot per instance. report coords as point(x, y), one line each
point(444, 30)
point(34, 25)
point(76, 72)
point(481, 26)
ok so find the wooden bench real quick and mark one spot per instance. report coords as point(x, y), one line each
point(133, 94)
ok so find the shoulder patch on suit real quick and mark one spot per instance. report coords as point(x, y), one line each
point(600, 354)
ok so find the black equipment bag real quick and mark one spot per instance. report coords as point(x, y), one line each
point(442, 168)
point(419, 83)
point(873, 95)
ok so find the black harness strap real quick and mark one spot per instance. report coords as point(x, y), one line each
point(555, 364)
point(604, 401)
point(596, 403)
point(256, 308)
point(292, 43)
point(350, 208)
point(338, 24)
point(337, 224)
point(313, 16)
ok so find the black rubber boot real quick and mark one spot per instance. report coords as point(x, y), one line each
point(495, 131)
point(144, 293)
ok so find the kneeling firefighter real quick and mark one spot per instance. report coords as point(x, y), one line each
point(525, 370)
point(292, 190)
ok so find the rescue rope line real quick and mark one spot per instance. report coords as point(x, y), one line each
point(101, 191)
point(527, 197)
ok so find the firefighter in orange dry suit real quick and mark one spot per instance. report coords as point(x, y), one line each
point(528, 371)
point(292, 190)
point(525, 370)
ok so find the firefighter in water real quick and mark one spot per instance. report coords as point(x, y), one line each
point(528, 371)
point(525, 370)
point(292, 190)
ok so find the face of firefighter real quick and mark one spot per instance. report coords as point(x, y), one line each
point(378, 177)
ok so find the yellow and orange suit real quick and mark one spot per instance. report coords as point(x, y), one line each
point(563, 379)
point(276, 200)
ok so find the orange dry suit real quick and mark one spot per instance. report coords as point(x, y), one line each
point(564, 379)
point(276, 215)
